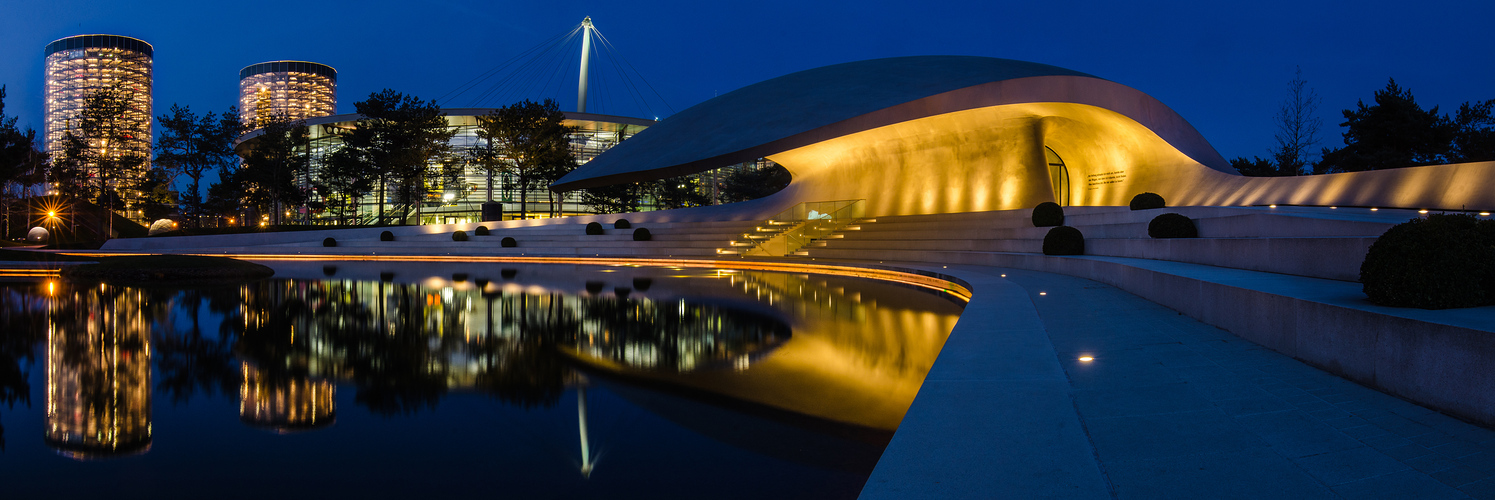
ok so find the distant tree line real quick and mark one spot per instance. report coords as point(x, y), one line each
point(1394, 132)
point(401, 146)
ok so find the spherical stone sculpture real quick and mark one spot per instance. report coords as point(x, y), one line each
point(38, 236)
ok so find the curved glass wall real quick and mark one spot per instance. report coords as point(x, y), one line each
point(297, 89)
point(78, 66)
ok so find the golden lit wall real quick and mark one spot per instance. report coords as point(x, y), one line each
point(992, 158)
point(297, 89)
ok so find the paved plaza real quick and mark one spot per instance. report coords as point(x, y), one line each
point(1168, 407)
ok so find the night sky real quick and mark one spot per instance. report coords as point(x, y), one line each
point(1225, 69)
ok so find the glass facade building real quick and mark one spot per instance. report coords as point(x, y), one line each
point(78, 66)
point(298, 89)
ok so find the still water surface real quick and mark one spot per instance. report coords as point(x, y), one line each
point(400, 379)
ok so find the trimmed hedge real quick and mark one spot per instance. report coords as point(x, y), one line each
point(459, 236)
point(1064, 240)
point(1146, 201)
point(1441, 262)
point(386, 236)
point(481, 231)
point(622, 224)
point(508, 242)
point(594, 228)
point(642, 234)
point(1172, 225)
point(1048, 214)
point(329, 242)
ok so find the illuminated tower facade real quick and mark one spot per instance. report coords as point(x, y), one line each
point(298, 89)
point(79, 66)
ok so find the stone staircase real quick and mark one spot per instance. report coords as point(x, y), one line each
point(1322, 242)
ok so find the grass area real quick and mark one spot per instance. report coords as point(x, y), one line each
point(173, 270)
point(167, 270)
point(33, 256)
point(269, 229)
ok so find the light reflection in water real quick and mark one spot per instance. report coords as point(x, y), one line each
point(839, 350)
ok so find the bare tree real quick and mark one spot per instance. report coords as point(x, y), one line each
point(1297, 127)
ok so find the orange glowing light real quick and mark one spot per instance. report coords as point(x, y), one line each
point(1423, 211)
point(1484, 214)
point(1087, 359)
point(51, 213)
point(1043, 293)
point(1374, 209)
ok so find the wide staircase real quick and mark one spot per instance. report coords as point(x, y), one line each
point(788, 232)
point(1315, 242)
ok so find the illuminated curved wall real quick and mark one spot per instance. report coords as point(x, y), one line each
point(925, 135)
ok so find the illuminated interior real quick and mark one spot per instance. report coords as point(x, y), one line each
point(296, 89)
point(79, 65)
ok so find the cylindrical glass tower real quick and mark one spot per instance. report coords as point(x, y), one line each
point(78, 66)
point(298, 89)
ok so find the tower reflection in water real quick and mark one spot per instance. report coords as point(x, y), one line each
point(98, 373)
point(757, 345)
point(285, 404)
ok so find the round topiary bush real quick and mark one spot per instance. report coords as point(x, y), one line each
point(329, 242)
point(594, 228)
point(508, 242)
point(1147, 201)
point(643, 284)
point(481, 231)
point(622, 224)
point(595, 287)
point(386, 276)
point(508, 273)
point(386, 236)
point(329, 271)
point(642, 234)
point(459, 236)
point(459, 278)
point(1441, 262)
point(1172, 225)
point(1048, 214)
point(1064, 240)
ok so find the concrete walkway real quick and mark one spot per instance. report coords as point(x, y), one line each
point(1168, 408)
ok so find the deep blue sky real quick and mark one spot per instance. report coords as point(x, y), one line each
point(1224, 69)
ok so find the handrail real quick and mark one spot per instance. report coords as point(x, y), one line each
point(816, 219)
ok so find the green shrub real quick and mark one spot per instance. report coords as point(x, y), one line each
point(1172, 225)
point(595, 287)
point(1146, 201)
point(1064, 240)
point(508, 273)
point(642, 234)
point(1048, 214)
point(329, 242)
point(459, 236)
point(508, 242)
point(1440, 262)
point(481, 231)
point(643, 284)
point(386, 276)
point(594, 228)
point(329, 271)
point(622, 224)
point(386, 236)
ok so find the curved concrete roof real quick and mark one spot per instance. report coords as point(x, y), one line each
point(819, 104)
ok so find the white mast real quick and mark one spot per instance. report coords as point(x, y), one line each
point(586, 52)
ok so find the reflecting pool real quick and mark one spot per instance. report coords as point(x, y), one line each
point(394, 379)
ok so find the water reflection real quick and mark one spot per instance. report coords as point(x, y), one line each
point(98, 373)
point(806, 368)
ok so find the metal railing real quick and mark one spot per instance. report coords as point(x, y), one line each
point(808, 222)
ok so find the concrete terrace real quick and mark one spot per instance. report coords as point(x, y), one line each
point(1244, 363)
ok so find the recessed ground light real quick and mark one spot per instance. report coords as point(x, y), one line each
point(1374, 209)
point(1423, 211)
point(1004, 276)
point(1333, 208)
point(1086, 359)
point(1272, 206)
point(1484, 214)
point(1043, 293)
